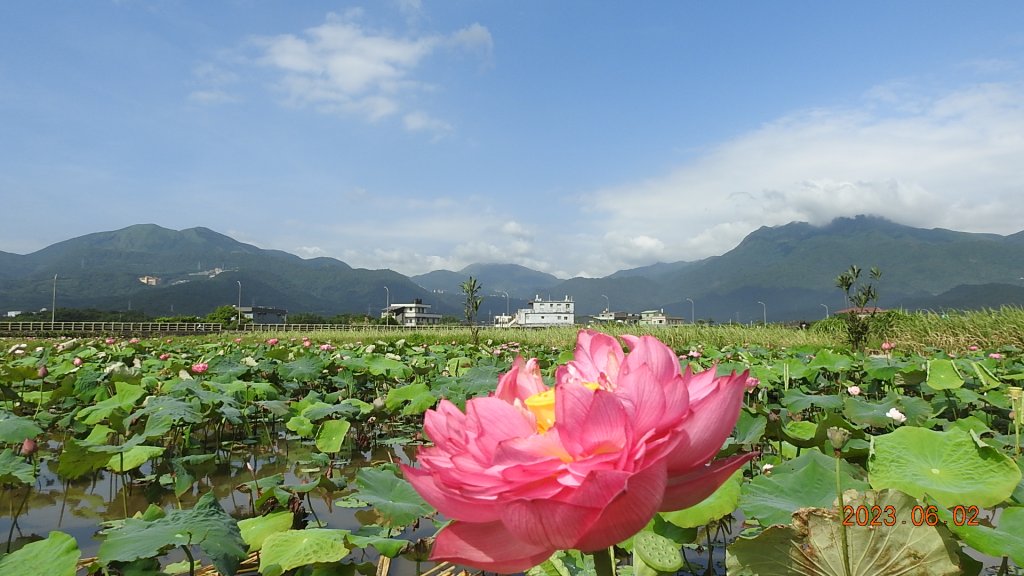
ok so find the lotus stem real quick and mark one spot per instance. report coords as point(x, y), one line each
point(842, 526)
point(191, 560)
point(604, 562)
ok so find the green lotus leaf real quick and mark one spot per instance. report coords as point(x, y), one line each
point(78, 459)
point(813, 544)
point(133, 458)
point(943, 375)
point(1006, 539)
point(749, 428)
point(256, 530)
point(830, 361)
point(17, 428)
point(283, 551)
point(14, 469)
point(805, 482)
point(332, 435)
point(985, 376)
point(384, 366)
point(392, 497)
point(376, 536)
point(952, 467)
point(417, 398)
point(305, 369)
point(300, 425)
point(723, 501)
point(57, 555)
point(797, 400)
point(206, 524)
point(124, 400)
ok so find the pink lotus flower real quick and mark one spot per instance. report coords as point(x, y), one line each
point(584, 464)
point(133, 341)
point(326, 347)
point(896, 415)
point(165, 356)
point(29, 447)
point(272, 342)
point(77, 361)
point(972, 348)
point(995, 356)
point(200, 367)
point(887, 346)
point(853, 390)
point(110, 340)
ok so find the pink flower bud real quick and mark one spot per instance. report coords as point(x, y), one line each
point(200, 367)
point(972, 348)
point(995, 356)
point(29, 447)
point(165, 356)
point(853, 390)
point(77, 361)
point(110, 340)
point(272, 342)
point(133, 341)
point(886, 346)
point(43, 372)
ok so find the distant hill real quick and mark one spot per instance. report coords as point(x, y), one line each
point(790, 268)
point(199, 269)
point(520, 282)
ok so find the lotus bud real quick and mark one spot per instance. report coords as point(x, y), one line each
point(838, 437)
point(29, 447)
point(77, 361)
point(43, 372)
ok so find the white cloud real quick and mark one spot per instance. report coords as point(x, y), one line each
point(310, 251)
point(950, 161)
point(344, 67)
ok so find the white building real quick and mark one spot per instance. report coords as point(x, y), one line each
point(546, 313)
point(659, 318)
point(414, 314)
point(264, 314)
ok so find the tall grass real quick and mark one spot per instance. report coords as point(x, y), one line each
point(952, 331)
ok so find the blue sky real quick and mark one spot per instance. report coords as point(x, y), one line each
point(576, 138)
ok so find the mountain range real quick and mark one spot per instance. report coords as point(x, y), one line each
point(785, 273)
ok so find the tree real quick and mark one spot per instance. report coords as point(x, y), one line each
point(226, 315)
point(863, 301)
point(471, 288)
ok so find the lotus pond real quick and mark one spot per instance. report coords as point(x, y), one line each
point(188, 455)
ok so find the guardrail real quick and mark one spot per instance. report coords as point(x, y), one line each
point(346, 327)
point(109, 328)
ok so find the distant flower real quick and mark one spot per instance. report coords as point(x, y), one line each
point(694, 354)
point(896, 415)
point(77, 361)
point(200, 367)
point(272, 342)
point(110, 340)
point(887, 346)
point(165, 356)
point(995, 356)
point(28, 447)
point(43, 372)
point(306, 343)
point(751, 383)
point(238, 340)
point(767, 468)
point(133, 341)
point(854, 390)
point(972, 348)
point(326, 347)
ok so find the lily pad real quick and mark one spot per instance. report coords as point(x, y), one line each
point(206, 524)
point(1007, 539)
point(392, 497)
point(256, 530)
point(943, 375)
point(952, 467)
point(15, 469)
point(805, 482)
point(57, 555)
point(721, 502)
point(286, 550)
point(332, 435)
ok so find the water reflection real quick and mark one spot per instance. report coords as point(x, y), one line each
point(79, 507)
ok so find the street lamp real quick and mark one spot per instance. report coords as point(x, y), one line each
point(693, 315)
point(764, 312)
point(826, 310)
point(53, 305)
point(239, 310)
point(607, 303)
point(387, 303)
